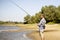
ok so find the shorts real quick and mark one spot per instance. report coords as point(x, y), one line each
point(41, 29)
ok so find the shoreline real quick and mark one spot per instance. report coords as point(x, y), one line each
point(32, 31)
point(34, 35)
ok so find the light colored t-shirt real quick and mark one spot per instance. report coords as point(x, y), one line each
point(42, 22)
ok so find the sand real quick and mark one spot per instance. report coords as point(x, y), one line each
point(52, 32)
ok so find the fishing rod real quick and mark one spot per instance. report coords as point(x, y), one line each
point(19, 6)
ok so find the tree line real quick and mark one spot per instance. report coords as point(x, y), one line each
point(52, 14)
point(10, 22)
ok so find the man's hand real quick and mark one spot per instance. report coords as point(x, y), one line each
point(38, 25)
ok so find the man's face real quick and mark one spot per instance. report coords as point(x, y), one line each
point(41, 16)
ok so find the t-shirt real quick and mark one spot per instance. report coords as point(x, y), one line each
point(42, 22)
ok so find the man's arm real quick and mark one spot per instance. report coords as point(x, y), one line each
point(40, 23)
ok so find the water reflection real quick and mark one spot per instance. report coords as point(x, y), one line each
point(8, 27)
point(4, 35)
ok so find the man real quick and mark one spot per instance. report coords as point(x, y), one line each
point(42, 26)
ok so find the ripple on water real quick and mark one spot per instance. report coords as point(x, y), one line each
point(13, 35)
point(8, 27)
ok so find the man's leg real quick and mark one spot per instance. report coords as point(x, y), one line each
point(42, 34)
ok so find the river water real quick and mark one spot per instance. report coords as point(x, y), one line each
point(4, 35)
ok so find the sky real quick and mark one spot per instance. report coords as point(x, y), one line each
point(10, 12)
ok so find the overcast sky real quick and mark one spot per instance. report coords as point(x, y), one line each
point(10, 12)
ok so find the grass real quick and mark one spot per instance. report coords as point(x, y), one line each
point(27, 26)
point(51, 23)
point(8, 25)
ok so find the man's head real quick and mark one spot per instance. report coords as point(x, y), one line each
point(42, 16)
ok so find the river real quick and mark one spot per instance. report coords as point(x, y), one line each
point(4, 35)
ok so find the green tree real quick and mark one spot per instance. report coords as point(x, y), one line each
point(27, 18)
point(52, 14)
